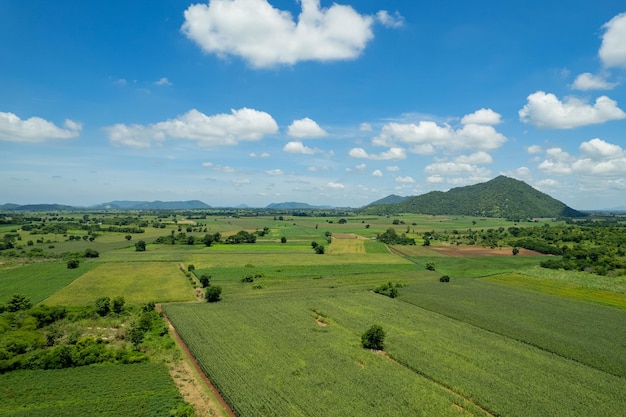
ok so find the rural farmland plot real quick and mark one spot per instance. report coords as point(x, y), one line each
point(297, 352)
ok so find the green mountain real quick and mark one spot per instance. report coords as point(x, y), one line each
point(390, 199)
point(502, 197)
point(153, 205)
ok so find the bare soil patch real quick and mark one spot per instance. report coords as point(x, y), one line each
point(479, 251)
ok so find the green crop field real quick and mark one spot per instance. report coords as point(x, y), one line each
point(38, 280)
point(138, 282)
point(269, 356)
point(111, 390)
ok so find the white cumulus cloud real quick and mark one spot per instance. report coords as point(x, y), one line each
point(274, 172)
point(391, 154)
point(597, 149)
point(587, 81)
point(406, 180)
point(426, 137)
point(297, 147)
point(335, 186)
point(265, 36)
point(613, 49)
point(388, 20)
point(377, 173)
point(305, 128)
point(163, 82)
point(207, 131)
point(545, 110)
point(35, 129)
point(482, 117)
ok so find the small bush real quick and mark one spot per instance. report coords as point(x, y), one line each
point(444, 278)
point(73, 264)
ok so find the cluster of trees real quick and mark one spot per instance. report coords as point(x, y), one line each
point(389, 289)
point(241, 237)
point(45, 337)
point(390, 237)
point(319, 249)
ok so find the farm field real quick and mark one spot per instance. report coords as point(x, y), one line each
point(112, 390)
point(39, 280)
point(504, 337)
point(138, 282)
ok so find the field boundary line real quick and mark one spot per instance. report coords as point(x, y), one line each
point(524, 342)
point(441, 385)
point(181, 343)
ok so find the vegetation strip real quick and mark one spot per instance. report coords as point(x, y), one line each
point(196, 365)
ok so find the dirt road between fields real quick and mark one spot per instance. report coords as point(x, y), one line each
point(188, 384)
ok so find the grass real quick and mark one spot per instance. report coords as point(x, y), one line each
point(474, 267)
point(113, 390)
point(138, 282)
point(561, 289)
point(40, 280)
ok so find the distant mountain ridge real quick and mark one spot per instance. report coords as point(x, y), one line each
point(294, 205)
point(502, 197)
point(113, 205)
point(153, 205)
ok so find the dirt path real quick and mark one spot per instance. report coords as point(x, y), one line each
point(185, 374)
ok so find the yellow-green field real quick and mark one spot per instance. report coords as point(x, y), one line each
point(561, 289)
point(137, 282)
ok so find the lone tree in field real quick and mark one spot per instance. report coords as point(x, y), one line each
point(213, 294)
point(140, 246)
point(73, 264)
point(515, 250)
point(374, 338)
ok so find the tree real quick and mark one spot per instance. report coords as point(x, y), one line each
point(19, 302)
point(73, 264)
point(191, 267)
point(314, 244)
point(373, 338)
point(283, 239)
point(140, 246)
point(205, 280)
point(118, 304)
point(319, 249)
point(515, 250)
point(103, 306)
point(444, 278)
point(128, 237)
point(213, 294)
point(430, 266)
point(91, 253)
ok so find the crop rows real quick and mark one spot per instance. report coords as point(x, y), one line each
point(271, 358)
point(112, 390)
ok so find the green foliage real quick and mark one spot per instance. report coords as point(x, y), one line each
point(91, 253)
point(241, 237)
point(373, 338)
point(103, 306)
point(144, 389)
point(444, 278)
point(140, 246)
point(18, 302)
point(390, 237)
point(213, 294)
point(283, 239)
point(118, 304)
point(73, 264)
point(319, 249)
point(205, 280)
point(389, 289)
point(430, 266)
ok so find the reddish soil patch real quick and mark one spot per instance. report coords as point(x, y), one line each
point(480, 251)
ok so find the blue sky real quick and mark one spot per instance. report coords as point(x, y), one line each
point(254, 101)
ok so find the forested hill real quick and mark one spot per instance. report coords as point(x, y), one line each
point(502, 197)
